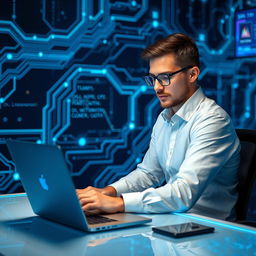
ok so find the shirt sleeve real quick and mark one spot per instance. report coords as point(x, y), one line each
point(212, 144)
point(147, 174)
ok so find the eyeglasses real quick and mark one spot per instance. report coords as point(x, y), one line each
point(163, 78)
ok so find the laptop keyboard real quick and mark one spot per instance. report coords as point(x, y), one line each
point(96, 219)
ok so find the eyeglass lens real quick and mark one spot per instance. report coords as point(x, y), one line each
point(163, 79)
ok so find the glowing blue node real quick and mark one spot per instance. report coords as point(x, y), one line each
point(104, 71)
point(143, 88)
point(90, 17)
point(34, 37)
point(14, 16)
point(68, 100)
point(54, 139)
point(52, 36)
point(19, 119)
point(9, 56)
point(222, 21)
point(202, 37)
point(65, 84)
point(83, 14)
point(16, 176)
point(1, 100)
point(82, 142)
point(155, 23)
point(155, 15)
point(105, 41)
point(131, 126)
point(134, 3)
point(39, 142)
point(112, 17)
point(247, 115)
point(138, 160)
point(40, 54)
point(235, 85)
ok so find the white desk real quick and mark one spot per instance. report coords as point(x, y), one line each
point(23, 233)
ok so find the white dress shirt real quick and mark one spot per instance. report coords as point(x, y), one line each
point(196, 152)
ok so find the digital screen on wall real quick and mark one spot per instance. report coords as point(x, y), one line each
point(245, 33)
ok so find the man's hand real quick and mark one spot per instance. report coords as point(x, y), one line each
point(109, 191)
point(93, 201)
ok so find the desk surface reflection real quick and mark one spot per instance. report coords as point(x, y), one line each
point(23, 233)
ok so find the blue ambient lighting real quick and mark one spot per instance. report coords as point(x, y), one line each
point(14, 195)
point(225, 225)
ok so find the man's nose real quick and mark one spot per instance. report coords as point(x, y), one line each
point(157, 86)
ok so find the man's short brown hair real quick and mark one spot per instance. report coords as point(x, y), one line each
point(180, 45)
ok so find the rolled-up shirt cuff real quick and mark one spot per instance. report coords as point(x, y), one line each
point(120, 187)
point(133, 202)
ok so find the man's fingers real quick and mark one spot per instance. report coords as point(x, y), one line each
point(86, 194)
point(94, 202)
point(90, 208)
point(87, 200)
point(85, 190)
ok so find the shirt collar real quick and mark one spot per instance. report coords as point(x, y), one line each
point(187, 109)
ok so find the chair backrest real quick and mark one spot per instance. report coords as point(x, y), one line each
point(246, 171)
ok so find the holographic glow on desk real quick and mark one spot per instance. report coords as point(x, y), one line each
point(219, 223)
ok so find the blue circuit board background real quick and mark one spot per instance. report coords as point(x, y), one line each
point(71, 74)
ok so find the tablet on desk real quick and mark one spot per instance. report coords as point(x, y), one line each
point(183, 230)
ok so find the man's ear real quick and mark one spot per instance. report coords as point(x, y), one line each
point(193, 74)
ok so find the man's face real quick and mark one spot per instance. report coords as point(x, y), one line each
point(181, 86)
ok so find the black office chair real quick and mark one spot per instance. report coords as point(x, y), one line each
point(246, 174)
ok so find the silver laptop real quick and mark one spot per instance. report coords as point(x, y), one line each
point(51, 192)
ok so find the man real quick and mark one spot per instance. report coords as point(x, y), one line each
point(193, 147)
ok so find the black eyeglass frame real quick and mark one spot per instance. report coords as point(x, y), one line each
point(168, 74)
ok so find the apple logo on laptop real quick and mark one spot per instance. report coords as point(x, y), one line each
point(43, 183)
